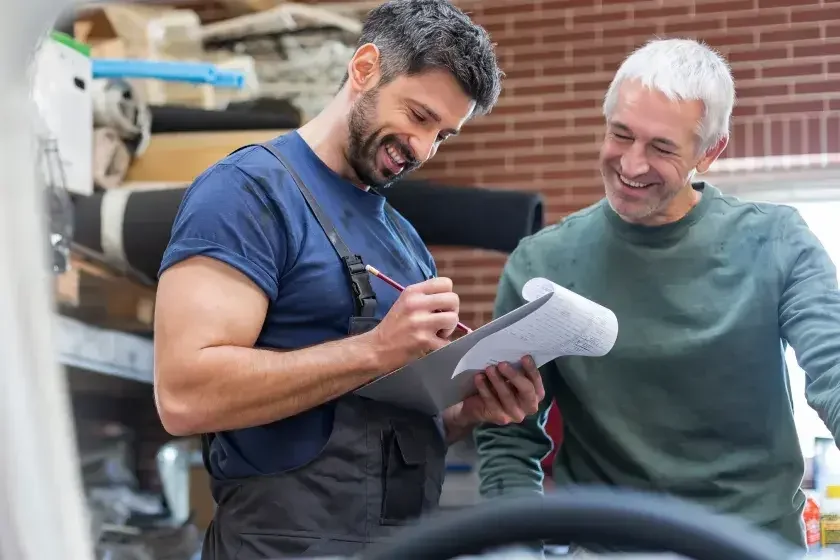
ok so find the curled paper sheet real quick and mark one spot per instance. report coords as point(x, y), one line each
point(566, 324)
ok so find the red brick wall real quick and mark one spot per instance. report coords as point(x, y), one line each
point(559, 56)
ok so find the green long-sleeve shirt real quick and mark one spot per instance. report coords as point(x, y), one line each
point(693, 400)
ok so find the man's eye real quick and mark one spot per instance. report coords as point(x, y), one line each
point(418, 117)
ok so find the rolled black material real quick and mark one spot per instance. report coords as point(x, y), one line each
point(470, 217)
point(137, 224)
point(175, 118)
point(608, 517)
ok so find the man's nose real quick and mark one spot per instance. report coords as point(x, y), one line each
point(634, 162)
point(424, 147)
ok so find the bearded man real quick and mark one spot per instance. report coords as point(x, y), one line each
point(266, 319)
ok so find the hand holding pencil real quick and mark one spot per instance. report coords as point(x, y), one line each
point(397, 286)
point(421, 321)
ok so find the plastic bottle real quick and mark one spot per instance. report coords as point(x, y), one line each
point(811, 516)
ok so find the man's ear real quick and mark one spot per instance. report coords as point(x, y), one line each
point(363, 69)
point(711, 155)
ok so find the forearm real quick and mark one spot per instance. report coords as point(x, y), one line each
point(510, 458)
point(227, 387)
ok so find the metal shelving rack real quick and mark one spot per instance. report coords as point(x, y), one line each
point(104, 351)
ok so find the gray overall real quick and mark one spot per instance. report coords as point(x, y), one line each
point(382, 467)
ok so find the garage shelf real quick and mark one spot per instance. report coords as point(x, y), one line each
point(104, 351)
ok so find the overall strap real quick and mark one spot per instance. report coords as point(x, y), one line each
point(363, 294)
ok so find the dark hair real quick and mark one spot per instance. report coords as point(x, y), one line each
point(414, 36)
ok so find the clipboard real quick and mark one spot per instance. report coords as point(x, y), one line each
point(427, 385)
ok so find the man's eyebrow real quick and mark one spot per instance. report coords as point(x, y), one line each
point(657, 140)
point(433, 115)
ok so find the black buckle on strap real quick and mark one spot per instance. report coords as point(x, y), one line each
point(362, 290)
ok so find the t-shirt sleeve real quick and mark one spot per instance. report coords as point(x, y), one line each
point(227, 216)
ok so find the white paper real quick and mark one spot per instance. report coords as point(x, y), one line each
point(567, 324)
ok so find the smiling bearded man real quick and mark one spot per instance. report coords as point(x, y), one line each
point(266, 320)
point(693, 400)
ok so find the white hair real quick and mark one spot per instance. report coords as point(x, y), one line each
point(682, 69)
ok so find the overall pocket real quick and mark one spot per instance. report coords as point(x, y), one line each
point(403, 475)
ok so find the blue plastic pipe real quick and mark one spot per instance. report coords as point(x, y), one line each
point(175, 71)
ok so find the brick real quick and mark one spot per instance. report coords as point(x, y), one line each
point(822, 49)
point(762, 90)
point(552, 87)
point(588, 120)
point(570, 140)
point(572, 104)
point(557, 36)
point(522, 72)
point(586, 85)
point(789, 35)
point(694, 25)
point(718, 40)
point(793, 107)
point(559, 67)
point(534, 21)
point(510, 108)
point(564, 4)
point(766, 4)
point(527, 143)
point(484, 125)
point(586, 50)
point(506, 8)
point(640, 30)
point(834, 65)
point(757, 20)
point(661, 12)
point(821, 86)
point(799, 15)
point(755, 54)
point(792, 70)
point(724, 6)
point(743, 74)
point(613, 16)
point(538, 159)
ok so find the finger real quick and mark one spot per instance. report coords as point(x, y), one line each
point(526, 394)
point(493, 411)
point(436, 285)
point(534, 375)
point(442, 324)
point(445, 301)
point(505, 395)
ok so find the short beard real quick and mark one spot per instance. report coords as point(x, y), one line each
point(364, 143)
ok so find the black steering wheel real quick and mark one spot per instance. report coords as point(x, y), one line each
point(598, 516)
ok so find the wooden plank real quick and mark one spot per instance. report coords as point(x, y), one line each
point(104, 298)
point(182, 156)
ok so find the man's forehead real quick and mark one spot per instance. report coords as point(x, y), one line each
point(438, 93)
point(652, 114)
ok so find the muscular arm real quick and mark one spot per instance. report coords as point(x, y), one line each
point(809, 316)
point(510, 455)
point(208, 376)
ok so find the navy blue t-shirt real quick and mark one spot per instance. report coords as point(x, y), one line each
point(247, 212)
